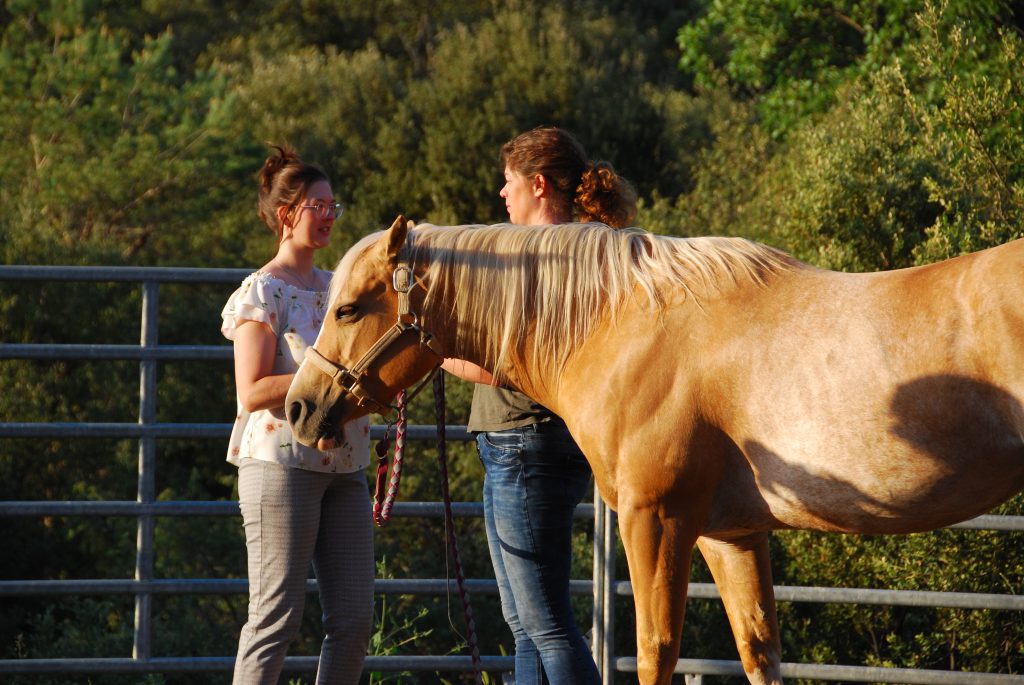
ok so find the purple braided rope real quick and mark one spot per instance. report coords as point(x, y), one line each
point(442, 456)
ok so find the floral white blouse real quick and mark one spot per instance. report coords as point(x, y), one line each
point(295, 316)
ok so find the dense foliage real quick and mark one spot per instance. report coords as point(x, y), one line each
point(859, 135)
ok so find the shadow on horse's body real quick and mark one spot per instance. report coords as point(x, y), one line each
point(719, 388)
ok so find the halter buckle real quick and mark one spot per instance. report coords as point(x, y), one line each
point(401, 278)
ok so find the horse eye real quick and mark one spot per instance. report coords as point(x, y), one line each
point(345, 311)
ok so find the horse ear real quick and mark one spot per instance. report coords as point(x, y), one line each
point(395, 236)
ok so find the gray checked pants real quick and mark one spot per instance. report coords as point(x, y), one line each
point(292, 517)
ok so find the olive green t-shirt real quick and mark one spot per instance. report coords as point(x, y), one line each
point(497, 408)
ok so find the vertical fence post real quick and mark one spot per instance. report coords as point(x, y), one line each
point(142, 648)
point(597, 618)
point(603, 641)
point(608, 584)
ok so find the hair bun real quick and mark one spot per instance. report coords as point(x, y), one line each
point(605, 196)
point(599, 177)
point(273, 165)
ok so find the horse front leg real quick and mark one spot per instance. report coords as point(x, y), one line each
point(743, 574)
point(658, 549)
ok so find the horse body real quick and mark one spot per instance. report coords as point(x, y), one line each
point(832, 401)
point(760, 394)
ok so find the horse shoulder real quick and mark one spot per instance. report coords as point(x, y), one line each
point(629, 394)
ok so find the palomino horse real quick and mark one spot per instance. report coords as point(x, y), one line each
point(719, 388)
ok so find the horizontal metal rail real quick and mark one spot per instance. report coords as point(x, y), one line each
point(195, 586)
point(234, 586)
point(200, 664)
point(121, 274)
point(117, 352)
point(181, 430)
point(427, 509)
point(410, 586)
point(862, 674)
point(225, 508)
point(829, 672)
point(220, 664)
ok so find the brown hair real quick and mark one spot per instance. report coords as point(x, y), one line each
point(593, 189)
point(284, 179)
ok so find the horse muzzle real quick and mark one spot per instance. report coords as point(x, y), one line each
point(315, 420)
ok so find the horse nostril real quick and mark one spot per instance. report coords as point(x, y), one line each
point(295, 412)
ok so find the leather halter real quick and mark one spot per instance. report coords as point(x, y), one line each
point(402, 280)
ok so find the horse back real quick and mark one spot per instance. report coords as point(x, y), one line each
point(883, 402)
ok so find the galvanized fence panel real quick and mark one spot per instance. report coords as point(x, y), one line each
point(603, 587)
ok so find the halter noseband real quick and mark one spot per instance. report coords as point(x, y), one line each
point(351, 380)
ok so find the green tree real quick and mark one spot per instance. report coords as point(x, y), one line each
point(792, 56)
point(974, 134)
point(910, 163)
point(116, 151)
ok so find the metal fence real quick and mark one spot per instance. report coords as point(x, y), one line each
point(603, 587)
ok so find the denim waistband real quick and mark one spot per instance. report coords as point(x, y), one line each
point(539, 427)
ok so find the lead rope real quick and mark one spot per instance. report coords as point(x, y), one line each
point(382, 505)
point(449, 524)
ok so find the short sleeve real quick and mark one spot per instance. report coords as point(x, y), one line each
point(258, 299)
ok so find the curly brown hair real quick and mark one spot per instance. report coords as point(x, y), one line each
point(593, 190)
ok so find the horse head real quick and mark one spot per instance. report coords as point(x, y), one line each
point(370, 346)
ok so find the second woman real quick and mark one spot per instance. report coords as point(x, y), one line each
point(534, 473)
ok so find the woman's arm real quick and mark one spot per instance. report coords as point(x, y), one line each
point(255, 349)
point(467, 371)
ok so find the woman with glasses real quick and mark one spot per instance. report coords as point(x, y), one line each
point(299, 504)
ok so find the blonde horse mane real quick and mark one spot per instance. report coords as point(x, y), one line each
point(550, 286)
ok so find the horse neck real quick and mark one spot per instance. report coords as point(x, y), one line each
point(462, 339)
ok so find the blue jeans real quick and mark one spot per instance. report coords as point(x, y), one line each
point(533, 479)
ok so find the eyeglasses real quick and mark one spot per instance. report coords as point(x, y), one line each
point(325, 210)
